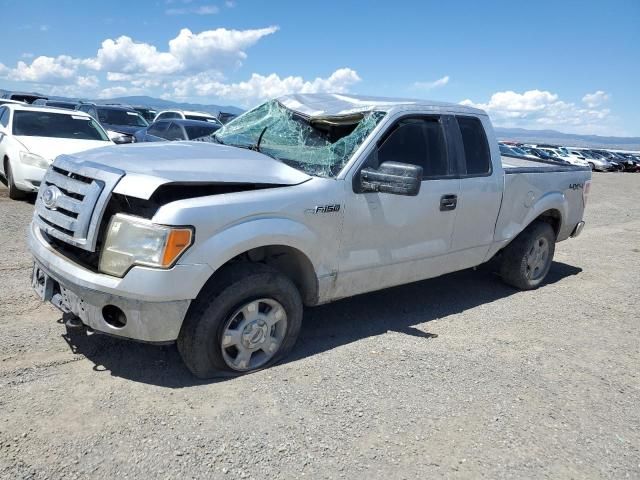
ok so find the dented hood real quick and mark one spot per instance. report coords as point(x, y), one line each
point(149, 165)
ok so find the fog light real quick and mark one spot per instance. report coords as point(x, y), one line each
point(114, 316)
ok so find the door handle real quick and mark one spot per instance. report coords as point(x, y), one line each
point(448, 202)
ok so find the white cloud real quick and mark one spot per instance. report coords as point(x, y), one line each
point(211, 49)
point(543, 109)
point(260, 87)
point(123, 55)
point(441, 82)
point(215, 48)
point(44, 70)
point(595, 99)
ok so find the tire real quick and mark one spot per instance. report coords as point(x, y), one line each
point(524, 262)
point(593, 167)
point(222, 312)
point(14, 192)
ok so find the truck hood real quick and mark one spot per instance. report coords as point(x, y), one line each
point(50, 147)
point(147, 166)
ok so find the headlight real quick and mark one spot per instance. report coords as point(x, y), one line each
point(33, 160)
point(137, 241)
point(120, 138)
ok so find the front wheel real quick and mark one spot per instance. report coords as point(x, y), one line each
point(14, 192)
point(527, 260)
point(247, 318)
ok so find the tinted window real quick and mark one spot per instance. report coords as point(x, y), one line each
point(199, 131)
point(476, 147)
point(4, 116)
point(121, 117)
point(57, 125)
point(158, 128)
point(165, 115)
point(174, 132)
point(418, 142)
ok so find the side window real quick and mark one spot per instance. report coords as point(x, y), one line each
point(174, 132)
point(4, 116)
point(418, 141)
point(158, 128)
point(476, 147)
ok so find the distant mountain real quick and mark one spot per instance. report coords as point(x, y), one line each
point(157, 103)
point(567, 139)
point(161, 104)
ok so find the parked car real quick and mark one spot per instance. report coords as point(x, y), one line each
point(595, 162)
point(31, 137)
point(543, 155)
point(120, 122)
point(514, 150)
point(149, 114)
point(566, 156)
point(630, 162)
point(623, 163)
point(187, 115)
point(219, 246)
point(176, 129)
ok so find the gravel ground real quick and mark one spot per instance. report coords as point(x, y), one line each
point(458, 376)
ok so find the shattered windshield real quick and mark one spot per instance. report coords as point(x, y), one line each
point(317, 146)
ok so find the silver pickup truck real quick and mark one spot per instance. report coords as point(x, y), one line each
point(303, 200)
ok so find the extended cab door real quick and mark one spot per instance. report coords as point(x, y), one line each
point(391, 239)
point(481, 187)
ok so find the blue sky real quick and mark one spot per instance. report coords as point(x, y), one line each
point(573, 66)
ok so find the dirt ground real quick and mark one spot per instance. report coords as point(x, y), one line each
point(459, 376)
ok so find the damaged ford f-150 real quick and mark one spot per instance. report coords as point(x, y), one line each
point(301, 201)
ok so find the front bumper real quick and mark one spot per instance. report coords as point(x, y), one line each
point(28, 177)
point(154, 301)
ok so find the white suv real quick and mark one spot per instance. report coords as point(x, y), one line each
point(32, 137)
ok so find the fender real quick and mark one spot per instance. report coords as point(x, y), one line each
point(519, 217)
point(258, 232)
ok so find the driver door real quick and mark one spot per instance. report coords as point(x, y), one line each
point(391, 239)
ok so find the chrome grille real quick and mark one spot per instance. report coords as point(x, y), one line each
point(75, 196)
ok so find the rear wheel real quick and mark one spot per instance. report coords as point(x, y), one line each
point(593, 167)
point(247, 318)
point(527, 260)
point(14, 192)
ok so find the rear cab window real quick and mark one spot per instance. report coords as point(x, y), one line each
point(477, 156)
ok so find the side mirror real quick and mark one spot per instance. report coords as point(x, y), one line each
point(392, 177)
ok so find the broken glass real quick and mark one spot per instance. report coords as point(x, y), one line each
point(318, 145)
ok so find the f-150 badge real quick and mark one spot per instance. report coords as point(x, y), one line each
point(323, 209)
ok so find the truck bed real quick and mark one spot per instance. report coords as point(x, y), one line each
point(526, 191)
point(529, 165)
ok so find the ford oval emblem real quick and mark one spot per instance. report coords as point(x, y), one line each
point(50, 197)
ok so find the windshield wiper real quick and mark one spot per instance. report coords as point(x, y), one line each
point(257, 145)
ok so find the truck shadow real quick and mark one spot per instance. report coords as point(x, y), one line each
point(325, 327)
